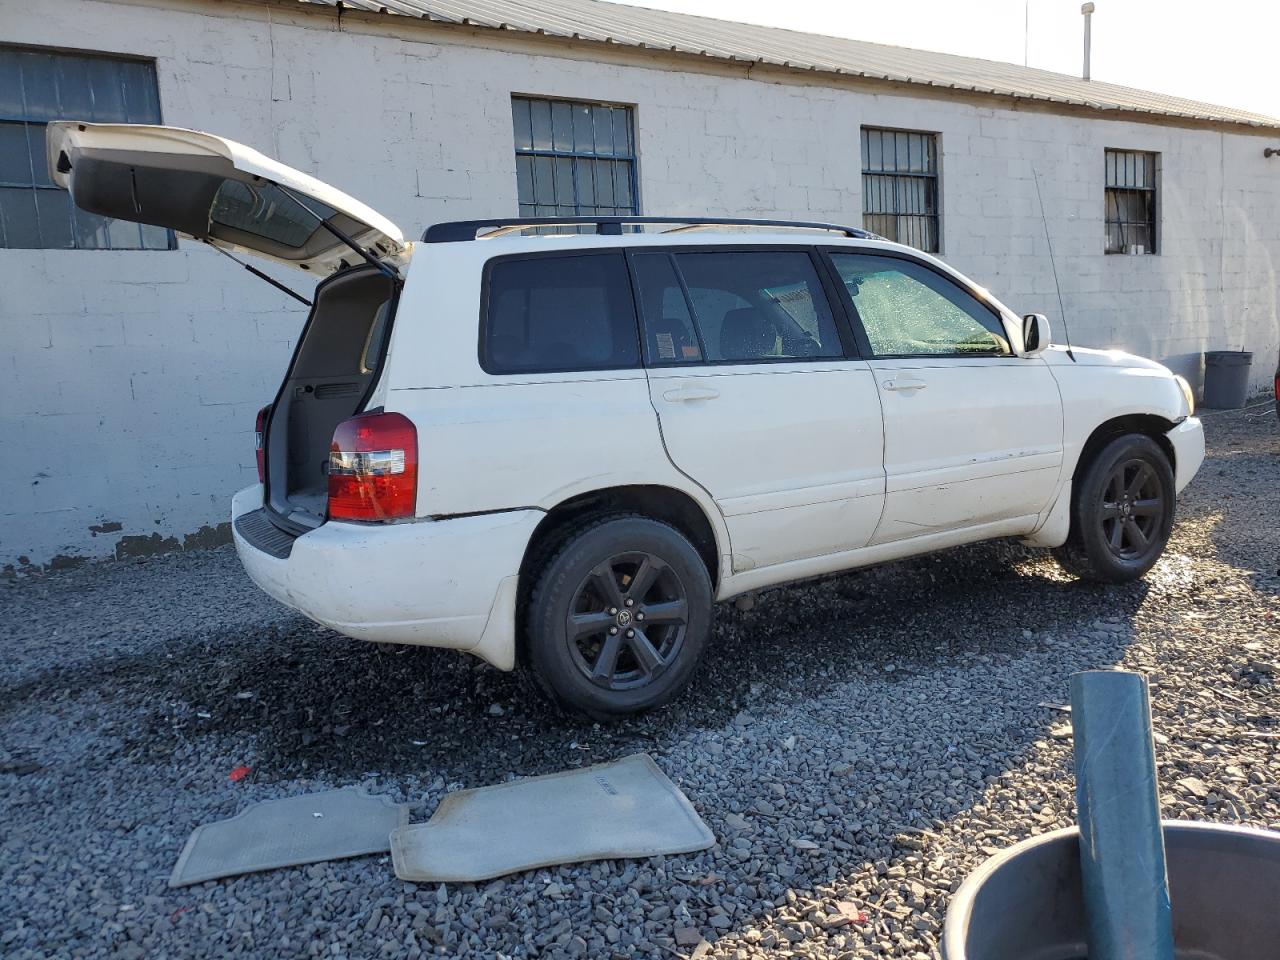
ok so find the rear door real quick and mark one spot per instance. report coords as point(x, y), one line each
point(758, 400)
point(973, 433)
point(218, 191)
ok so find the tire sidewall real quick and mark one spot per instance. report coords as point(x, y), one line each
point(556, 586)
point(1130, 447)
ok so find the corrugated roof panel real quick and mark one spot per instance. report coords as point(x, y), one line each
point(602, 22)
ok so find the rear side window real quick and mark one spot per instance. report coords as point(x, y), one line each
point(669, 334)
point(754, 306)
point(556, 314)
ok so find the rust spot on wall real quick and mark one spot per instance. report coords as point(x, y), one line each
point(207, 536)
point(127, 547)
point(66, 562)
point(24, 565)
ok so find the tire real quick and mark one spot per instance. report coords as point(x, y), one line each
point(1122, 509)
point(602, 650)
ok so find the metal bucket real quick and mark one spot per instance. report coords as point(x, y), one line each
point(1025, 903)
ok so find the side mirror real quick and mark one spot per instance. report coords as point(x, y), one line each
point(1035, 334)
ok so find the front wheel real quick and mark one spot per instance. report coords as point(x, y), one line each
point(618, 617)
point(1121, 512)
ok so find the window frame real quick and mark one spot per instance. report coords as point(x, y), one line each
point(935, 176)
point(574, 156)
point(849, 344)
point(860, 331)
point(1153, 226)
point(486, 290)
point(27, 121)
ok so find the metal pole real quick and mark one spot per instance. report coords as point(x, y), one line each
point(1087, 10)
point(1122, 864)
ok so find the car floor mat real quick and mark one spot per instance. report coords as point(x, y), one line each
point(627, 808)
point(284, 833)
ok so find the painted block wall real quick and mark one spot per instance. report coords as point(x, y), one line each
point(130, 379)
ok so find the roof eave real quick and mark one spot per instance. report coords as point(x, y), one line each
point(1112, 111)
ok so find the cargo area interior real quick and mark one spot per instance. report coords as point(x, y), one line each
point(333, 369)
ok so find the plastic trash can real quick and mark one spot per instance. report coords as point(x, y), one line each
point(1025, 903)
point(1226, 378)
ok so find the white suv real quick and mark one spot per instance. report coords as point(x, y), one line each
point(561, 450)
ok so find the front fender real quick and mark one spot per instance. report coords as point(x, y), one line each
point(1094, 393)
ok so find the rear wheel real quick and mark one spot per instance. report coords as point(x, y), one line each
point(618, 617)
point(1121, 513)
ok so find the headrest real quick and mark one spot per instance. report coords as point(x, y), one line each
point(745, 334)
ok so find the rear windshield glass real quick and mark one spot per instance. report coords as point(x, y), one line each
point(266, 211)
point(562, 313)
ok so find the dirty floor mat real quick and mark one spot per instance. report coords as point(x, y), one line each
point(627, 808)
point(283, 833)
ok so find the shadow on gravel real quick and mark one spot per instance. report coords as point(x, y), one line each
point(316, 702)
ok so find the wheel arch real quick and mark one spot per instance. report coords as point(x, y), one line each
point(1081, 553)
point(666, 504)
point(1148, 424)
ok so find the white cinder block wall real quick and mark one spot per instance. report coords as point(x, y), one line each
point(131, 378)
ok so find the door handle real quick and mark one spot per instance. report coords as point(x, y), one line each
point(904, 384)
point(685, 394)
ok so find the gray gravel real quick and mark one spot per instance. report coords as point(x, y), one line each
point(858, 746)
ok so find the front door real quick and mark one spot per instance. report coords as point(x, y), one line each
point(973, 433)
point(757, 400)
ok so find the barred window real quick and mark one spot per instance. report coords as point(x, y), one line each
point(1131, 201)
point(37, 86)
point(574, 158)
point(900, 186)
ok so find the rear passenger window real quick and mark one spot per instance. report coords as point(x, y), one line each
point(548, 314)
point(765, 305)
point(669, 336)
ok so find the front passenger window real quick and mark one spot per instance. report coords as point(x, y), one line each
point(907, 310)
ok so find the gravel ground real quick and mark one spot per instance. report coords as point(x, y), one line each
point(857, 745)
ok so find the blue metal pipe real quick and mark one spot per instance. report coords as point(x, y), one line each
point(1122, 863)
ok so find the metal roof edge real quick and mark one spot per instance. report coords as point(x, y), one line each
point(440, 19)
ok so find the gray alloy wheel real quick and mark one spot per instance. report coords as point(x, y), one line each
point(618, 617)
point(1132, 509)
point(1122, 510)
point(627, 621)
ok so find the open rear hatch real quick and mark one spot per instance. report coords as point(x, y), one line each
point(218, 191)
point(234, 198)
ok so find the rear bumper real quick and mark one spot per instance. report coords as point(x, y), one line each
point(1188, 450)
point(439, 583)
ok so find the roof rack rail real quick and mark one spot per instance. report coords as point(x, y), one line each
point(612, 226)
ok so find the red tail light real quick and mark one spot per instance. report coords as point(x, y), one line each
point(259, 431)
point(373, 468)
